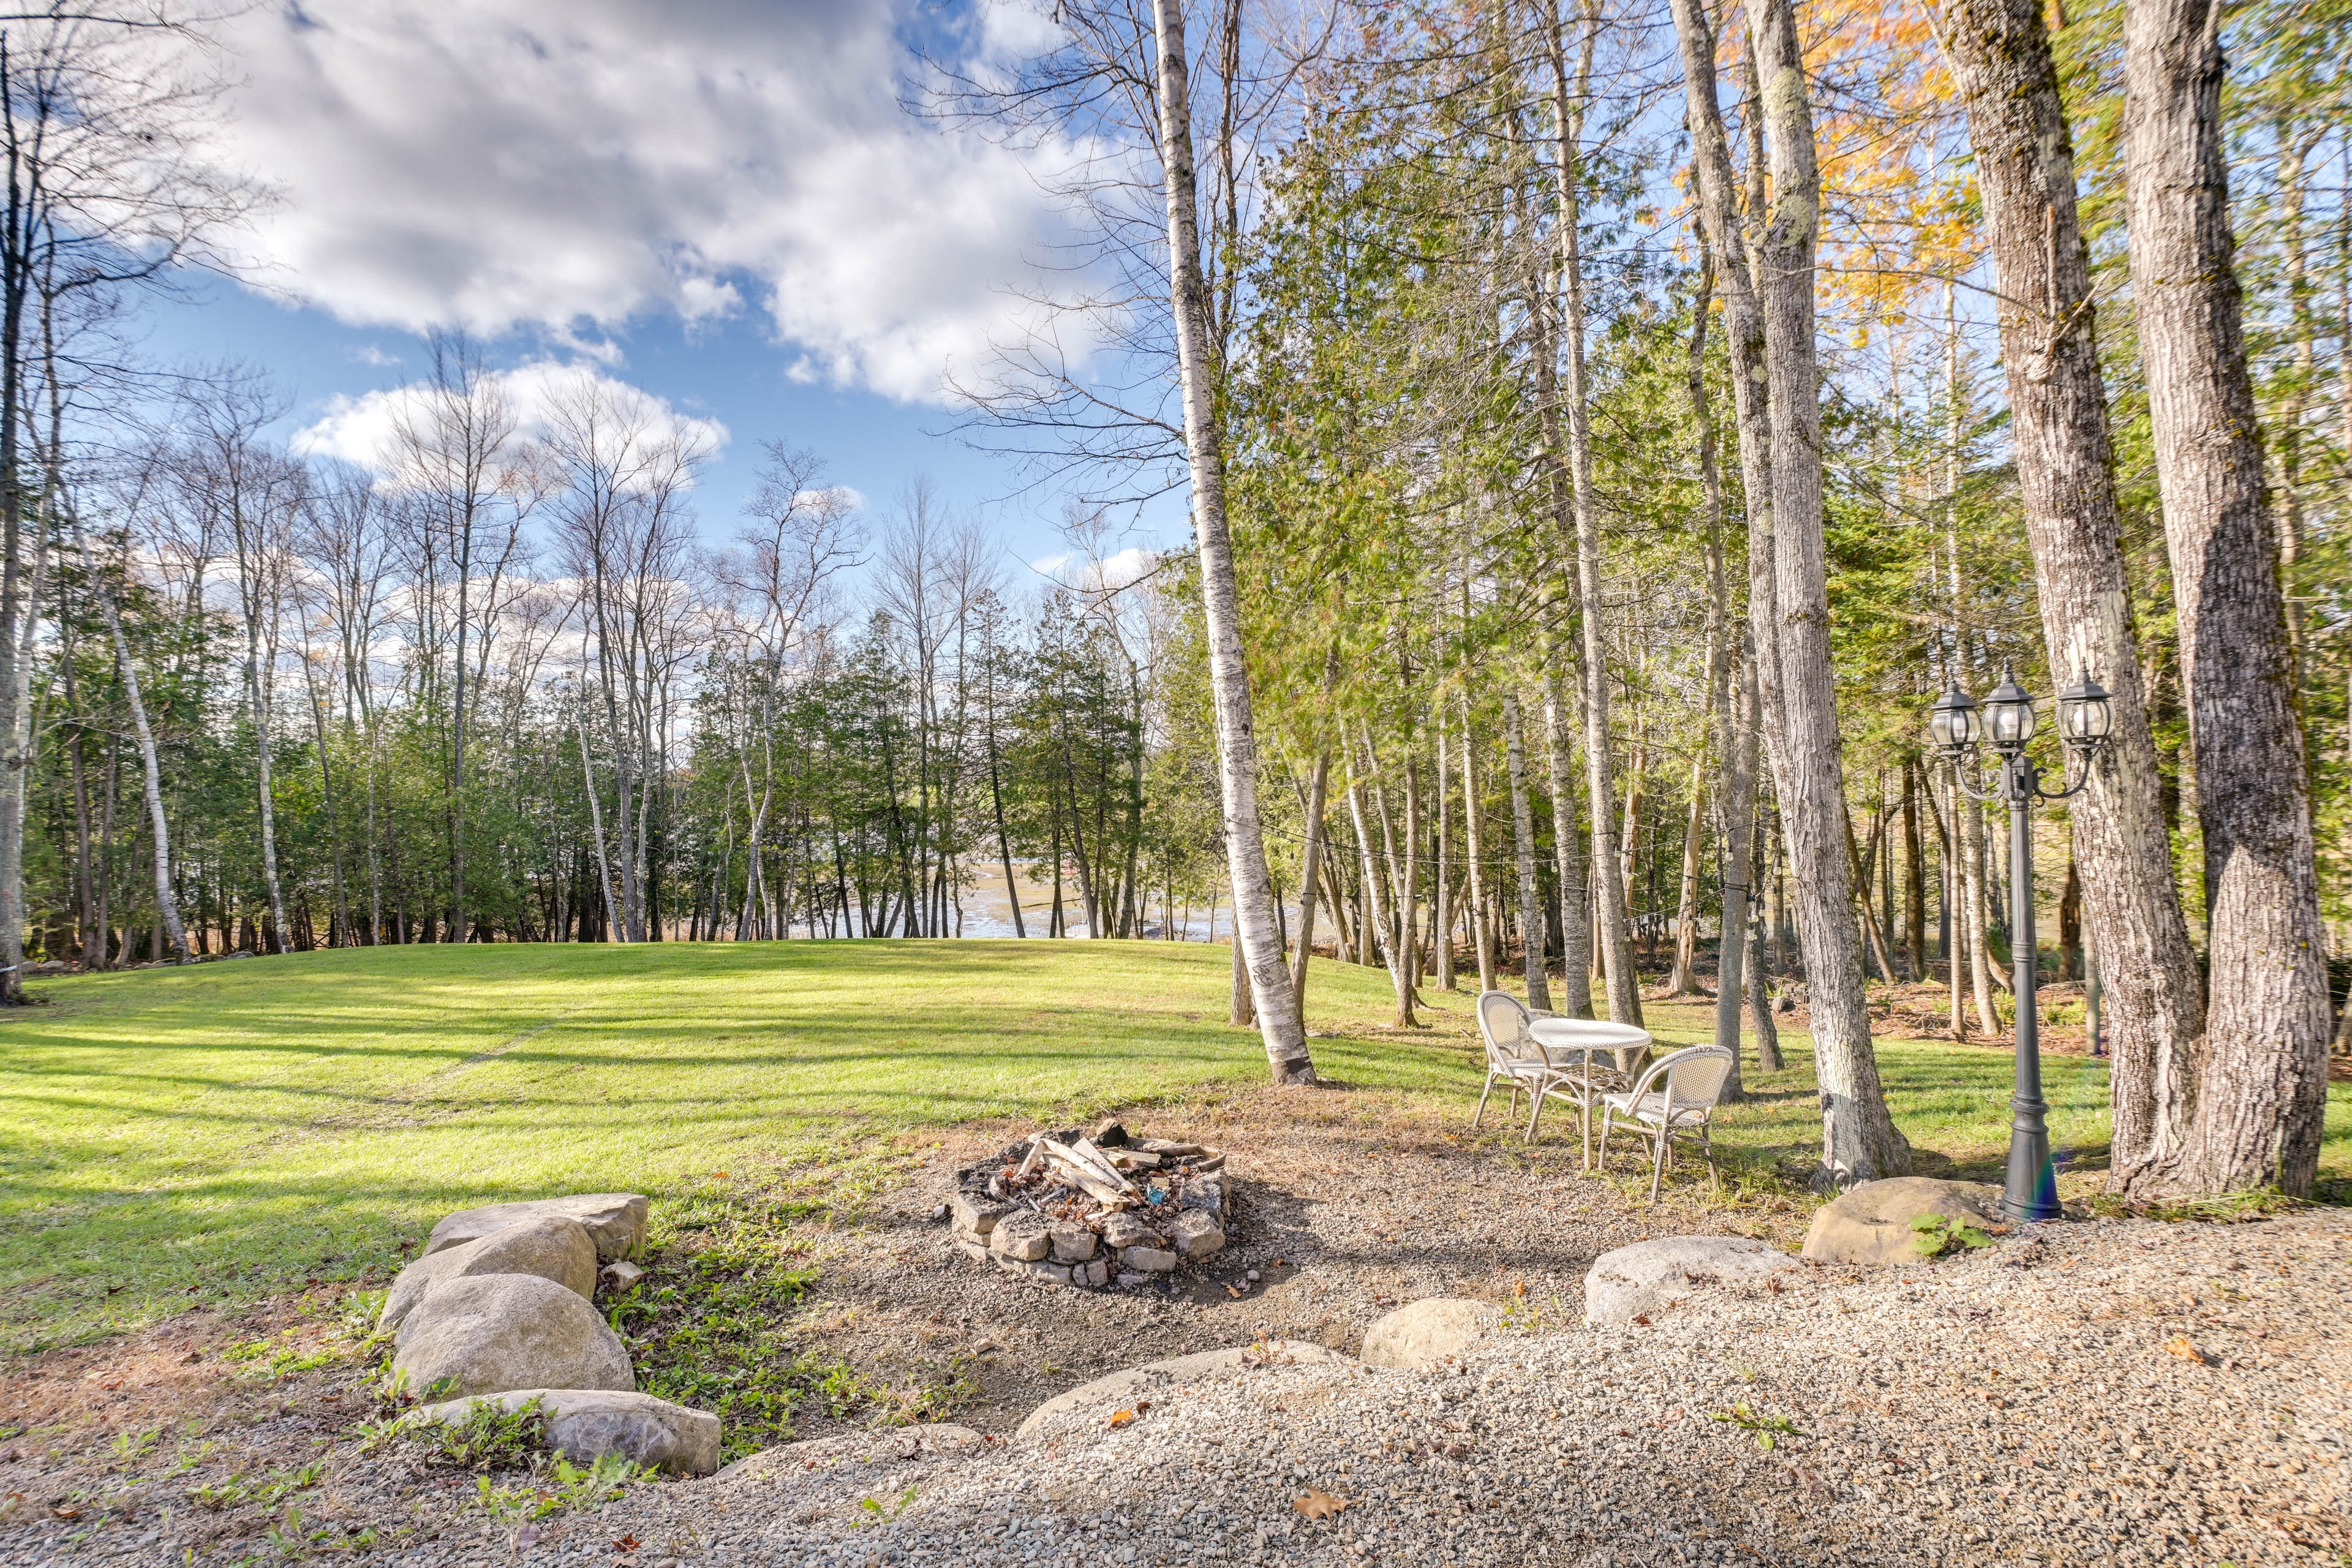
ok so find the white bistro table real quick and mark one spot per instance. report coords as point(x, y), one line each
point(1583, 1038)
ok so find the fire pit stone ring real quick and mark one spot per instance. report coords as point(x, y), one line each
point(1069, 1207)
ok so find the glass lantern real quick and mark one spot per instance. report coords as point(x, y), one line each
point(2086, 714)
point(1954, 722)
point(2009, 715)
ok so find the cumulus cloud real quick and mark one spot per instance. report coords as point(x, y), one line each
point(366, 430)
point(568, 164)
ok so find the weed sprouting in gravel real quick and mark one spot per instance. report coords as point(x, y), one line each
point(268, 1490)
point(1768, 1430)
point(1934, 1234)
point(561, 1486)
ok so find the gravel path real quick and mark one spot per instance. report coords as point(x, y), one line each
point(2031, 1403)
point(1972, 1411)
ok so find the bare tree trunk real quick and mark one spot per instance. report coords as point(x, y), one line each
point(1408, 891)
point(1860, 1141)
point(1568, 855)
point(1481, 937)
point(151, 769)
point(259, 678)
point(1731, 276)
point(1979, 908)
point(1613, 933)
point(1253, 922)
point(1914, 878)
point(2154, 999)
point(1440, 887)
point(1241, 1013)
point(1523, 843)
point(596, 826)
point(1318, 791)
point(2262, 1077)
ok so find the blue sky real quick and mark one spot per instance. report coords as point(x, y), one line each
point(733, 373)
point(720, 203)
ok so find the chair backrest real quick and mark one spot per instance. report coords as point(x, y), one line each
point(1692, 1078)
point(1503, 1020)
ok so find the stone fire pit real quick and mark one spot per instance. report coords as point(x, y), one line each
point(1096, 1210)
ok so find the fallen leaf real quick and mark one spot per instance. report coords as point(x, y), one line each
point(2178, 1345)
point(1121, 1418)
point(1642, 1318)
point(1318, 1504)
point(626, 1543)
point(67, 1513)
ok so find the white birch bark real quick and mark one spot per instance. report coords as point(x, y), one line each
point(1277, 1004)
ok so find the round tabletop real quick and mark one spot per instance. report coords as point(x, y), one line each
point(1586, 1034)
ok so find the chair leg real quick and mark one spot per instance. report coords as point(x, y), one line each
point(1608, 1112)
point(1537, 1115)
point(1481, 1117)
point(1658, 1164)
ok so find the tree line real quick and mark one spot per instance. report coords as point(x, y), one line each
point(1638, 401)
point(1605, 428)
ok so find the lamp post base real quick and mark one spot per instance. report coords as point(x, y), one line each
point(2030, 1191)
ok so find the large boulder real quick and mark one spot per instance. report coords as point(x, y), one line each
point(488, 1333)
point(1420, 1335)
point(1871, 1223)
point(584, 1424)
point(616, 1222)
point(1154, 1380)
point(552, 1246)
point(1649, 1277)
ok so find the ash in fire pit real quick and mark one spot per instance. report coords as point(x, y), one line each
point(1106, 1209)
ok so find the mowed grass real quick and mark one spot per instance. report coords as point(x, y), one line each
point(173, 1136)
point(231, 1130)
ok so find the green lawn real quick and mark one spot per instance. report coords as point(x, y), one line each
point(229, 1131)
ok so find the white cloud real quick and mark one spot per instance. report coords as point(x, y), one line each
point(366, 430)
point(1122, 570)
point(571, 164)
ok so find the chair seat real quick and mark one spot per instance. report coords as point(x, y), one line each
point(1652, 1108)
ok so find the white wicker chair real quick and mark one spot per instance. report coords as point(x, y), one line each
point(1512, 1054)
point(1676, 1099)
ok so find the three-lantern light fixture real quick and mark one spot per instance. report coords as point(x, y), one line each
point(2009, 718)
point(1958, 727)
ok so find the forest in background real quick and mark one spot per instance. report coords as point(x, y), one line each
point(1600, 461)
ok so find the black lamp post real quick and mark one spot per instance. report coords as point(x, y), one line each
point(2007, 722)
